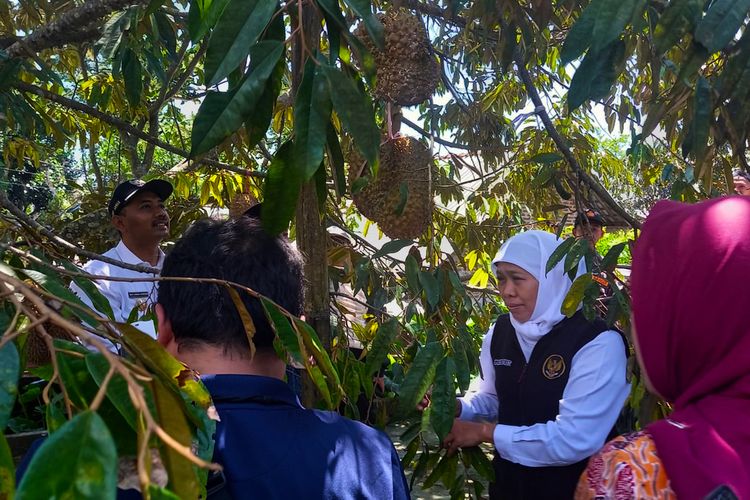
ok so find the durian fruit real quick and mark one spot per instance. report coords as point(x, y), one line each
point(399, 198)
point(37, 353)
point(407, 72)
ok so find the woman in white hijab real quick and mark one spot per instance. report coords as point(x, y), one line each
point(551, 388)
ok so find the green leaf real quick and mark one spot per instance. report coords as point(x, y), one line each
point(7, 470)
point(559, 253)
point(679, 18)
point(372, 24)
point(77, 461)
point(284, 330)
point(182, 478)
point(444, 398)
point(239, 27)
point(10, 370)
point(312, 113)
point(596, 74)
point(392, 246)
point(612, 16)
point(543, 176)
point(54, 417)
point(117, 390)
point(419, 377)
point(577, 251)
point(444, 464)
point(355, 111)
point(204, 18)
point(381, 345)
point(721, 23)
point(461, 359)
point(170, 371)
point(575, 295)
point(336, 159)
point(545, 158)
point(431, 287)
point(132, 74)
point(258, 121)
point(610, 260)
point(702, 118)
point(322, 361)
point(222, 113)
point(412, 274)
point(579, 36)
point(479, 461)
point(281, 190)
point(403, 190)
point(161, 493)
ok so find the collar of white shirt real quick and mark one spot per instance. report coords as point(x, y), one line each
point(129, 257)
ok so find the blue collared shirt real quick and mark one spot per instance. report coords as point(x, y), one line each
point(272, 447)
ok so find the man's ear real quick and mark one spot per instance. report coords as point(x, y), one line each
point(165, 335)
point(117, 222)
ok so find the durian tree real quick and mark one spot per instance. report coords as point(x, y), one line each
point(436, 122)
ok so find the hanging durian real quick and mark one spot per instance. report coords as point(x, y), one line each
point(399, 198)
point(407, 71)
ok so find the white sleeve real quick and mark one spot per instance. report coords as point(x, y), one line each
point(483, 404)
point(591, 403)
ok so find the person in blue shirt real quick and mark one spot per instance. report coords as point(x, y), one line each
point(268, 444)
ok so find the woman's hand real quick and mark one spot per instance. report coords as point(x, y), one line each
point(467, 434)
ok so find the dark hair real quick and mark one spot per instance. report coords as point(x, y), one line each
point(235, 250)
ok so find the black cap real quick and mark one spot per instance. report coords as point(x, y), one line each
point(741, 174)
point(126, 190)
point(254, 211)
point(593, 216)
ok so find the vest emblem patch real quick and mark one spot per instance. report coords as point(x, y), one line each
point(553, 367)
point(502, 362)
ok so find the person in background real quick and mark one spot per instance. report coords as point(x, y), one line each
point(137, 212)
point(692, 340)
point(552, 387)
point(741, 180)
point(269, 445)
point(589, 224)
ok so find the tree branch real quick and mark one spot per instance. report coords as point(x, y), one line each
point(68, 26)
point(437, 139)
point(563, 146)
point(126, 127)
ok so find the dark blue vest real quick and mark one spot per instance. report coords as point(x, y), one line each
point(529, 393)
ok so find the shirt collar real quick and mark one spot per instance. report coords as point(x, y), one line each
point(129, 257)
point(248, 386)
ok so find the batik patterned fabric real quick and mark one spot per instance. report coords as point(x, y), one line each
point(627, 467)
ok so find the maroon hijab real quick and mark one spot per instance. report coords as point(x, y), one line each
point(691, 304)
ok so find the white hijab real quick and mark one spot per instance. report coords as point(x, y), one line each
point(530, 251)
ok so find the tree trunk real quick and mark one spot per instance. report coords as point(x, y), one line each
point(311, 232)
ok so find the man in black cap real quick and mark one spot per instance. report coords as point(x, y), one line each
point(589, 224)
point(138, 213)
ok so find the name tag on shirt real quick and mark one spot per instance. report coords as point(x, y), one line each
point(502, 362)
point(138, 295)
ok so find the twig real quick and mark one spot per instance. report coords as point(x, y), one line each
point(125, 127)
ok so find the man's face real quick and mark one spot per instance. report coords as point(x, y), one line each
point(143, 220)
point(742, 186)
point(518, 288)
point(597, 231)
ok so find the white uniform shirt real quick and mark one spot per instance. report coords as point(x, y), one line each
point(591, 401)
point(124, 296)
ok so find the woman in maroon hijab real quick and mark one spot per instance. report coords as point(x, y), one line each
point(691, 308)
